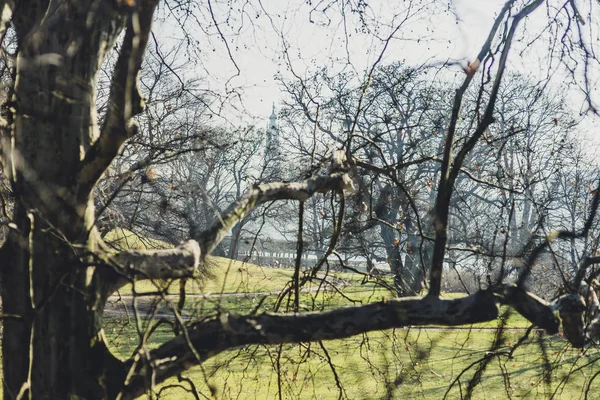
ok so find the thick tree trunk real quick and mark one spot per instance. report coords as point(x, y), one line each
point(416, 261)
point(407, 276)
point(54, 346)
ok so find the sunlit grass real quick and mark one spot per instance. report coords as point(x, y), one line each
point(427, 363)
point(404, 363)
point(228, 276)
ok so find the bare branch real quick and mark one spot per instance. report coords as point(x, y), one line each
point(125, 99)
point(451, 168)
point(260, 194)
point(6, 8)
point(226, 331)
point(213, 336)
point(180, 262)
point(562, 235)
point(535, 309)
point(184, 261)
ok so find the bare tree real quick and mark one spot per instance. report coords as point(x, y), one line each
point(57, 272)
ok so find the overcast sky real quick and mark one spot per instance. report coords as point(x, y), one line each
point(258, 49)
point(265, 40)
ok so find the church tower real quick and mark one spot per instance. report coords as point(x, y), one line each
point(272, 148)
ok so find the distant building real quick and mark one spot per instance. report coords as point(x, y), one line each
point(272, 153)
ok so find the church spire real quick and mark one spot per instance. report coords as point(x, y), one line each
point(272, 131)
point(273, 119)
point(272, 156)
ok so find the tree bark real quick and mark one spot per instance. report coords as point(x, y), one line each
point(58, 274)
point(407, 275)
point(54, 346)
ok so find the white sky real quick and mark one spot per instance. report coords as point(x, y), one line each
point(258, 49)
point(257, 46)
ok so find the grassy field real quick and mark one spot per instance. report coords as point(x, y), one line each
point(229, 276)
point(427, 363)
point(405, 364)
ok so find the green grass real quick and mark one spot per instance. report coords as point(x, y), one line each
point(408, 363)
point(121, 238)
point(230, 276)
point(403, 363)
point(411, 363)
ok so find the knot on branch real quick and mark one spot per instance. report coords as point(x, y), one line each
point(339, 168)
point(132, 128)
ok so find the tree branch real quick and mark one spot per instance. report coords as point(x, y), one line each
point(125, 99)
point(571, 309)
point(6, 9)
point(180, 262)
point(535, 309)
point(208, 338)
point(185, 261)
point(451, 168)
point(442, 202)
point(562, 235)
point(338, 180)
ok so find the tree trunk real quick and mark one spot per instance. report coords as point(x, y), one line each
point(235, 241)
point(407, 276)
point(54, 345)
point(418, 255)
point(415, 262)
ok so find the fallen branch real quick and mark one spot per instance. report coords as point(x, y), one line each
point(213, 336)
